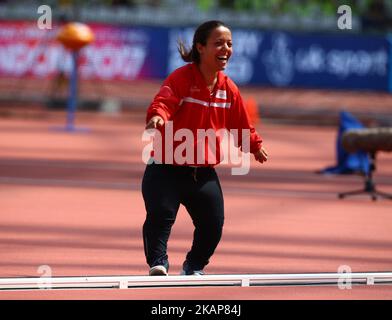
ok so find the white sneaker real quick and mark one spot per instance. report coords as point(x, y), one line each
point(158, 271)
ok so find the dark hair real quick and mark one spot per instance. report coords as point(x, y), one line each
point(201, 35)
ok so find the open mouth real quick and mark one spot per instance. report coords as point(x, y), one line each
point(222, 58)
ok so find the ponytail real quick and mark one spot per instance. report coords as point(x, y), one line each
point(185, 53)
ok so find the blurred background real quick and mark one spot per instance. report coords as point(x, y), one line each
point(290, 56)
point(72, 200)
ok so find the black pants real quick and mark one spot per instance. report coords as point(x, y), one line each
point(164, 188)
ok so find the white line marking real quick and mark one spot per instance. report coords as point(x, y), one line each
point(125, 282)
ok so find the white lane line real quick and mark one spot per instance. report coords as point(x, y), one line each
point(249, 191)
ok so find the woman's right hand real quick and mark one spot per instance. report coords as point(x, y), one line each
point(261, 155)
point(155, 122)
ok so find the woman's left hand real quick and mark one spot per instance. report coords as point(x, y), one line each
point(261, 155)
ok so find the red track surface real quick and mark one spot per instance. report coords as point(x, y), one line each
point(72, 201)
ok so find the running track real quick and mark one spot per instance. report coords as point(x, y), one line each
point(72, 201)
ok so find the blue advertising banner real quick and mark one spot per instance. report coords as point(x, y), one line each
point(323, 61)
point(283, 59)
point(301, 60)
point(117, 53)
point(390, 61)
point(126, 53)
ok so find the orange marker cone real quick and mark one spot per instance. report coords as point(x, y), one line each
point(251, 107)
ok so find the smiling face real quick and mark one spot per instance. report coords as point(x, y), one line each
point(215, 54)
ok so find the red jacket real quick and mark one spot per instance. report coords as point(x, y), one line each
point(185, 100)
